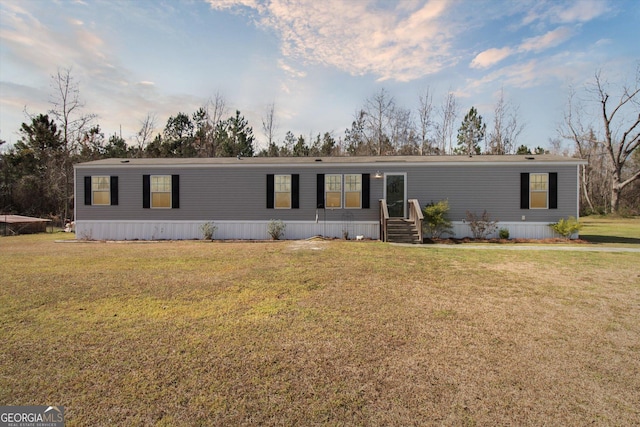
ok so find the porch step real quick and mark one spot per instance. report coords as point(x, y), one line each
point(402, 231)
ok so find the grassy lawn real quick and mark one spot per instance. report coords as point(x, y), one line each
point(611, 231)
point(318, 333)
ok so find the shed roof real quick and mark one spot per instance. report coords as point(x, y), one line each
point(300, 161)
point(19, 219)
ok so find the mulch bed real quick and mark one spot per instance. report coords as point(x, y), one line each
point(452, 241)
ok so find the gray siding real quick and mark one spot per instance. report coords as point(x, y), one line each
point(494, 188)
point(226, 193)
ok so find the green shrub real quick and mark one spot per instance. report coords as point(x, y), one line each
point(276, 228)
point(566, 227)
point(208, 229)
point(503, 233)
point(481, 226)
point(436, 219)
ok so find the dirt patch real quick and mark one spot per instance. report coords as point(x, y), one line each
point(309, 245)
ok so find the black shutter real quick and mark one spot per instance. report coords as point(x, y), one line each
point(320, 191)
point(146, 191)
point(175, 191)
point(87, 190)
point(114, 190)
point(295, 191)
point(270, 191)
point(366, 190)
point(553, 190)
point(524, 191)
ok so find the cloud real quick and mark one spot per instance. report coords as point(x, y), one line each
point(581, 11)
point(534, 72)
point(291, 71)
point(535, 44)
point(108, 87)
point(490, 57)
point(401, 42)
point(565, 13)
point(550, 39)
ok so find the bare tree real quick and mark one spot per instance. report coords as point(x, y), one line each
point(403, 134)
point(425, 121)
point(615, 140)
point(379, 115)
point(215, 112)
point(269, 128)
point(446, 127)
point(217, 108)
point(67, 110)
point(503, 138)
point(145, 134)
point(67, 107)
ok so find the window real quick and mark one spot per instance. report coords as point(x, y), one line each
point(161, 191)
point(352, 190)
point(333, 191)
point(538, 191)
point(282, 191)
point(100, 190)
point(329, 191)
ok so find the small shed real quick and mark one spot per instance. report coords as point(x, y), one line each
point(17, 224)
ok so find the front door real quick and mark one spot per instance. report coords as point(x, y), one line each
point(395, 188)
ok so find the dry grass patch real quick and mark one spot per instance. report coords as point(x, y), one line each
point(283, 333)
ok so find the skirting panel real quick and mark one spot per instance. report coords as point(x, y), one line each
point(227, 230)
point(517, 230)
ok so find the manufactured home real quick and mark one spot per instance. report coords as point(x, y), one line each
point(373, 197)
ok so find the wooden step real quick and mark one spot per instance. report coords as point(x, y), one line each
point(402, 231)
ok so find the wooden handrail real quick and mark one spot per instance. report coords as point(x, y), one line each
point(416, 216)
point(384, 217)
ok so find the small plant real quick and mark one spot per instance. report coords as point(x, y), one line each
point(503, 233)
point(208, 229)
point(345, 234)
point(566, 227)
point(276, 228)
point(436, 220)
point(481, 226)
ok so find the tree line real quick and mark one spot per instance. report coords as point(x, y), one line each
point(37, 172)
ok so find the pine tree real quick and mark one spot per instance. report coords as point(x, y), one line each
point(471, 133)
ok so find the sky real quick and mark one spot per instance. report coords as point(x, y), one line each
point(316, 61)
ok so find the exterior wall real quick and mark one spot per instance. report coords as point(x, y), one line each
point(475, 188)
point(219, 194)
point(234, 198)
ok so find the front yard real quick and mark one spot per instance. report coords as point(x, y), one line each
point(318, 333)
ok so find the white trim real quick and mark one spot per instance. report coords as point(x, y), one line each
point(539, 191)
point(170, 192)
point(93, 202)
point(75, 196)
point(333, 191)
point(376, 164)
point(344, 190)
point(578, 192)
point(275, 192)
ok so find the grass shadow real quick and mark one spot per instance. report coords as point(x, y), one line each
point(610, 239)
